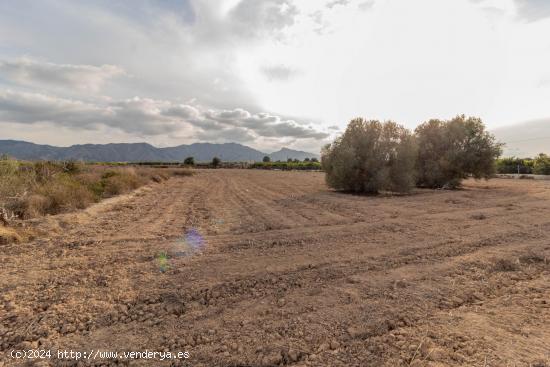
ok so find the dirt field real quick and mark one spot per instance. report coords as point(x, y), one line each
point(269, 268)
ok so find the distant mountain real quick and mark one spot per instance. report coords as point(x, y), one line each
point(141, 152)
point(525, 139)
point(285, 153)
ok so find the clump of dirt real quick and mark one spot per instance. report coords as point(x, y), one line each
point(532, 258)
point(479, 216)
point(505, 265)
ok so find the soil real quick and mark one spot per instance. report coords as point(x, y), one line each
point(267, 268)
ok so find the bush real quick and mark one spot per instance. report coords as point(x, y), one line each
point(369, 157)
point(542, 165)
point(189, 161)
point(120, 182)
point(30, 190)
point(62, 194)
point(216, 162)
point(266, 159)
point(450, 151)
point(72, 166)
point(515, 165)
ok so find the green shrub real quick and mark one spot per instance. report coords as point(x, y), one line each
point(449, 151)
point(369, 157)
point(515, 165)
point(542, 165)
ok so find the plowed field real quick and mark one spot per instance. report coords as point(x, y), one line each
point(265, 268)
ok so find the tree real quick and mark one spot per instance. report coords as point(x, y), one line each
point(266, 159)
point(216, 162)
point(542, 165)
point(515, 165)
point(450, 151)
point(306, 160)
point(369, 157)
point(296, 160)
point(314, 159)
point(189, 161)
point(289, 160)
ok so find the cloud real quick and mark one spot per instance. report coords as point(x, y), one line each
point(143, 10)
point(533, 10)
point(136, 115)
point(145, 116)
point(230, 134)
point(236, 58)
point(263, 124)
point(84, 77)
point(253, 18)
point(525, 139)
point(279, 72)
point(333, 3)
point(366, 5)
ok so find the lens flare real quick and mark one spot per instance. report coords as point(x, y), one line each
point(163, 262)
point(194, 240)
point(190, 244)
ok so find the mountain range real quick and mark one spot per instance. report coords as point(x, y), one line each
point(143, 152)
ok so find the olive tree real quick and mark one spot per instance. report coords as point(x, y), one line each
point(450, 151)
point(369, 157)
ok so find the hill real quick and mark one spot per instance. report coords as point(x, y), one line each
point(140, 152)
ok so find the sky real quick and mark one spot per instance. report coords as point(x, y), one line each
point(265, 73)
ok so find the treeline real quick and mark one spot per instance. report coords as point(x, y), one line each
point(291, 165)
point(373, 156)
point(539, 165)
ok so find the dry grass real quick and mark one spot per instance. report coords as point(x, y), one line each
point(8, 235)
point(33, 189)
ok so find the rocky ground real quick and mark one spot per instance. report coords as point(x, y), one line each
point(265, 268)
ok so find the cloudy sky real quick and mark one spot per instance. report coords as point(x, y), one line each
point(265, 73)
